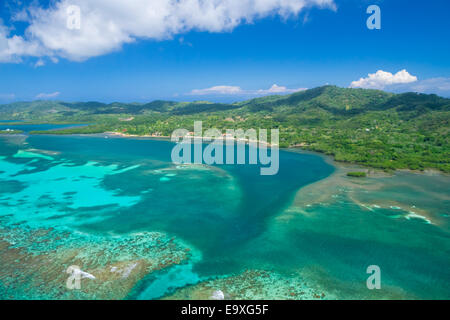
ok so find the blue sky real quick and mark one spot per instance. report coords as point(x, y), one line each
point(289, 47)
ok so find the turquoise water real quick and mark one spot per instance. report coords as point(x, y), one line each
point(212, 227)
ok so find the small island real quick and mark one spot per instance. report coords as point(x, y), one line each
point(356, 174)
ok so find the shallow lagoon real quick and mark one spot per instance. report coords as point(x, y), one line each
point(308, 232)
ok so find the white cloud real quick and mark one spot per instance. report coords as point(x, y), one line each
point(217, 90)
point(279, 89)
point(382, 79)
point(48, 95)
point(12, 48)
point(108, 24)
point(402, 81)
point(234, 90)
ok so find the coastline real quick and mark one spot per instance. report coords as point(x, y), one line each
point(330, 159)
point(370, 171)
point(208, 139)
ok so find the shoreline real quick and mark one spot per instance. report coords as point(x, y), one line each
point(370, 171)
point(208, 139)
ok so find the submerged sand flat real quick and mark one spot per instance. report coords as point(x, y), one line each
point(409, 195)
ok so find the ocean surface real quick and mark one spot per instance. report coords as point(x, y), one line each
point(141, 227)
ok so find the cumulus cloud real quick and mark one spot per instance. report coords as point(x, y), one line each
point(402, 81)
point(108, 24)
point(12, 48)
point(234, 90)
point(48, 95)
point(381, 79)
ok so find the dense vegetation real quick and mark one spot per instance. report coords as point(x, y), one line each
point(368, 127)
point(356, 174)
